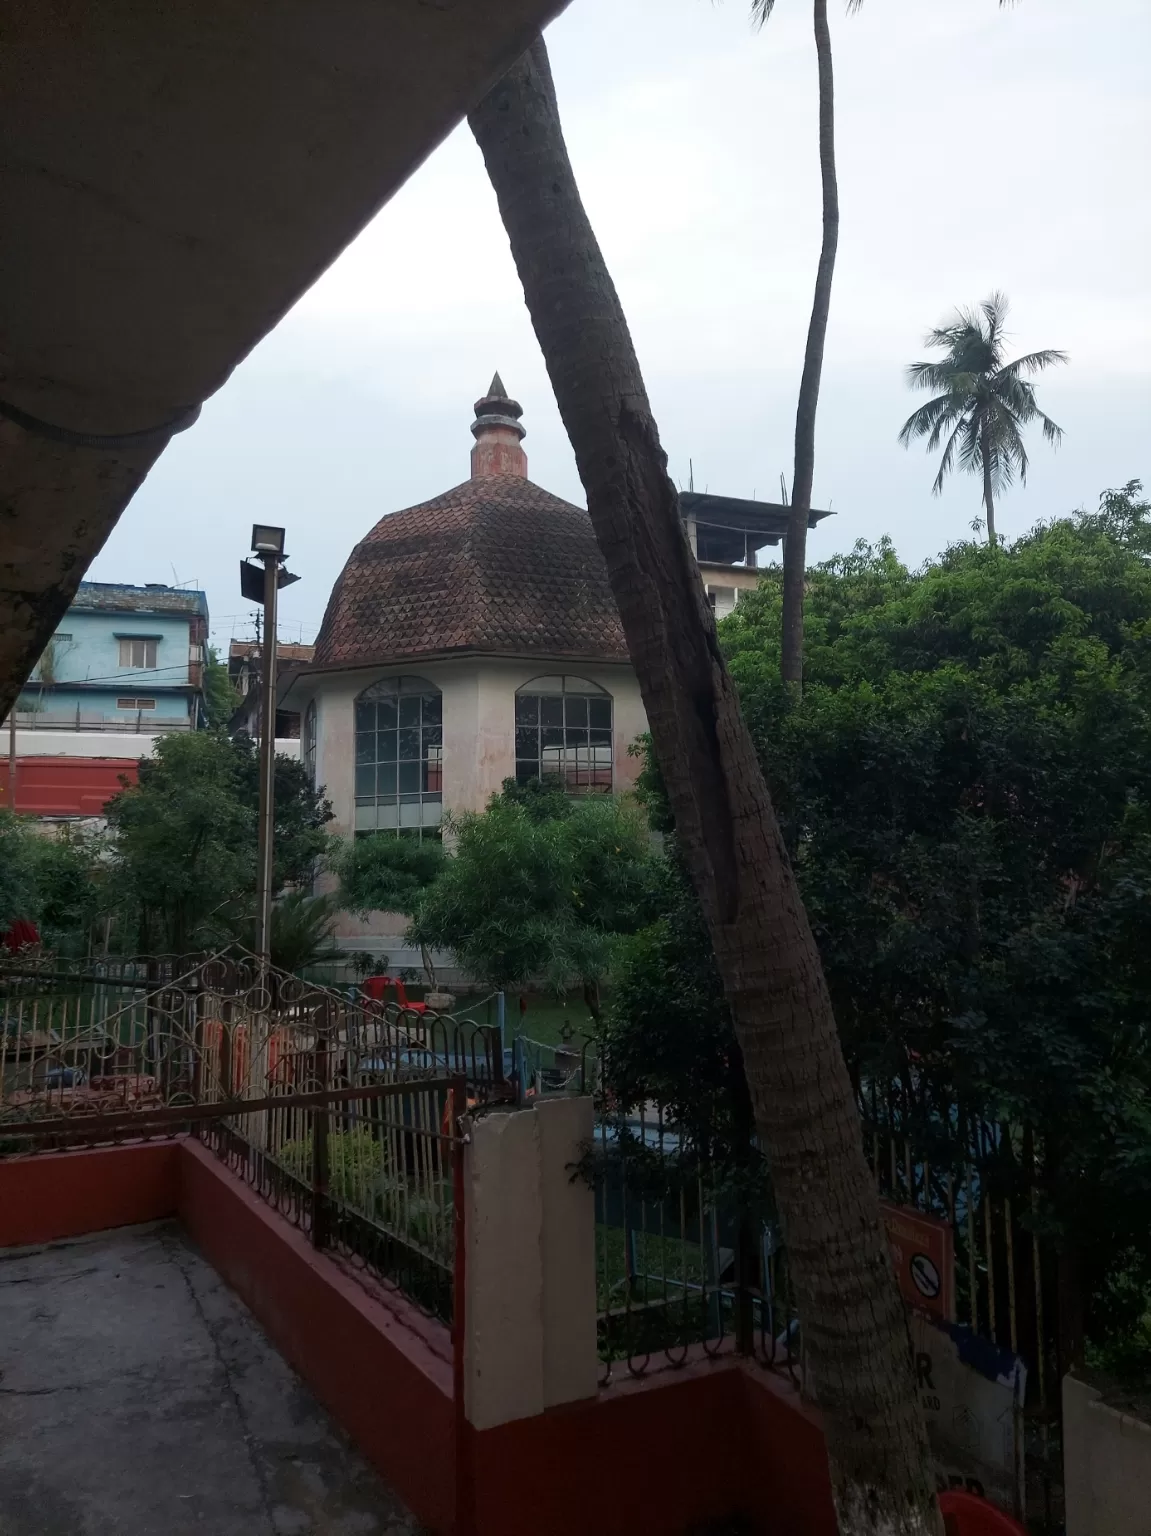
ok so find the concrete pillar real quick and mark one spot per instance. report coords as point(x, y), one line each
point(531, 1306)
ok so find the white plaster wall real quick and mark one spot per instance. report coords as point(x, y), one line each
point(479, 724)
point(571, 1363)
point(504, 1344)
point(530, 1314)
point(1106, 1466)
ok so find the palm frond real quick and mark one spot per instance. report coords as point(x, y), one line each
point(994, 310)
point(922, 421)
point(947, 460)
point(956, 412)
point(760, 11)
point(1051, 432)
point(926, 375)
point(1009, 451)
point(1035, 362)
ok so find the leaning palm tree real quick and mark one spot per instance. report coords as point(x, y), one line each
point(984, 403)
point(854, 1329)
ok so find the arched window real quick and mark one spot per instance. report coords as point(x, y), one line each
point(399, 756)
point(309, 744)
point(564, 734)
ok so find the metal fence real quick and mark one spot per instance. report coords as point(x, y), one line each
point(340, 1112)
point(690, 1259)
point(688, 1256)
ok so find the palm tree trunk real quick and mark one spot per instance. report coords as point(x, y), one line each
point(795, 545)
point(854, 1330)
point(988, 493)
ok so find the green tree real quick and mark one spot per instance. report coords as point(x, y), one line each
point(184, 869)
point(526, 898)
point(221, 700)
point(966, 790)
point(384, 873)
point(54, 879)
point(983, 404)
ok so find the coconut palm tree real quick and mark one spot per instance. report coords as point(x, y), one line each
point(854, 1329)
point(984, 403)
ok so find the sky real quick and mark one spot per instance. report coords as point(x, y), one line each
point(979, 148)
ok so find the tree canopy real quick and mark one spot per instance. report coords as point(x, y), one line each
point(965, 789)
point(530, 895)
point(184, 868)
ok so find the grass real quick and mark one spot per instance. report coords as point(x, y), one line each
point(666, 1307)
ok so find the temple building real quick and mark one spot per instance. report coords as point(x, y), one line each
point(468, 640)
point(473, 639)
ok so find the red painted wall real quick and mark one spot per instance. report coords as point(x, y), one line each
point(66, 786)
point(63, 1194)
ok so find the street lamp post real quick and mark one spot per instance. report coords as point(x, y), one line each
point(268, 547)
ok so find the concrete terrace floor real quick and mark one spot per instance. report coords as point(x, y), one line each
point(138, 1397)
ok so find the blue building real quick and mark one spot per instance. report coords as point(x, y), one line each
point(124, 658)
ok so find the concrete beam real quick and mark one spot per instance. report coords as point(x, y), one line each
point(173, 178)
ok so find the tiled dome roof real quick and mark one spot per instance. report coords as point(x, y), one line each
point(496, 565)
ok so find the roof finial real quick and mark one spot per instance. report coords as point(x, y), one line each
point(498, 434)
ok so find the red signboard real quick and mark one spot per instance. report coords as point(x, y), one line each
point(923, 1252)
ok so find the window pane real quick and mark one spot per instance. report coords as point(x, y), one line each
point(386, 781)
point(552, 736)
point(527, 741)
point(433, 736)
point(600, 738)
point(527, 710)
point(551, 711)
point(366, 817)
point(433, 774)
point(410, 710)
point(433, 709)
point(388, 813)
point(575, 736)
point(410, 778)
point(365, 717)
point(365, 746)
point(365, 779)
point(386, 746)
point(575, 710)
point(410, 814)
point(599, 713)
point(527, 770)
point(387, 714)
point(409, 744)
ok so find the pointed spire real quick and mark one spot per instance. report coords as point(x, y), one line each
point(498, 434)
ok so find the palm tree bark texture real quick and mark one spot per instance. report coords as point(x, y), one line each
point(854, 1328)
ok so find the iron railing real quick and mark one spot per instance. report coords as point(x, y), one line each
point(341, 1113)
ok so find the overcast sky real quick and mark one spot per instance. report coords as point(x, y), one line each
point(979, 148)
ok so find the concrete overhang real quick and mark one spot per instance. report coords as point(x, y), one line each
point(174, 175)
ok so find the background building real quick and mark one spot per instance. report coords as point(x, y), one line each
point(125, 665)
point(468, 640)
point(123, 658)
